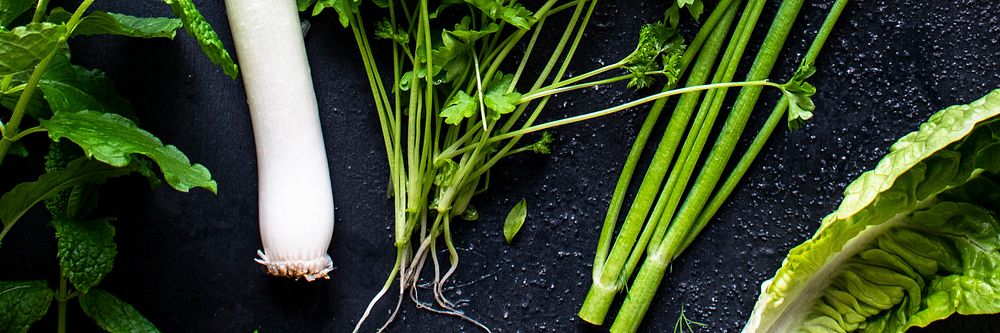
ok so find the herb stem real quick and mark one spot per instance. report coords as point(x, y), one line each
point(61, 298)
point(769, 125)
point(654, 267)
point(644, 100)
point(40, 11)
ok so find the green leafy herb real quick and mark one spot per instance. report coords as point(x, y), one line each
point(114, 315)
point(69, 88)
point(103, 23)
point(515, 219)
point(86, 251)
point(344, 9)
point(113, 139)
point(23, 47)
point(460, 107)
point(11, 9)
point(17, 201)
point(799, 93)
point(499, 98)
point(23, 303)
point(202, 31)
point(385, 30)
point(914, 240)
point(513, 13)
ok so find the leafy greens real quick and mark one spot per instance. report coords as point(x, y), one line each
point(915, 240)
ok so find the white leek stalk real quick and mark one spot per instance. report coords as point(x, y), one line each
point(295, 200)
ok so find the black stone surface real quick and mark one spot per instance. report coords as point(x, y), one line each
point(186, 259)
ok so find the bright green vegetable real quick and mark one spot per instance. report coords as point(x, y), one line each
point(450, 113)
point(94, 136)
point(914, 240)
point(515, 219)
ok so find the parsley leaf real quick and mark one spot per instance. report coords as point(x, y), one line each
point(460, 106)
point(498, 100)
point(86, 251)
point(344, 9)
point(23, 303)
point(385, 30)
point(114, 315)
point(515, 14)
point(113, 139)
point(798, 92)
point(202, 31)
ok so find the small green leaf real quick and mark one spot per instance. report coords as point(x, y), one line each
point(59, 155)
point(197, 26)
point(86, 250)
point(23, 303)
point(69, 88)
point(114, 315)
point(113, 139)
point(514, 13)
point(23, 47)
point(542, 145)
point(460, 106)
point(515, 219)
point(385, 30)
point(15, 203)
point(798, 92)
point(12, 9)
point(660, 48)
point(498, 100)
point(344, 9)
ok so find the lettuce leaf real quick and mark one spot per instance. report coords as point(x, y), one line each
point(915, 240)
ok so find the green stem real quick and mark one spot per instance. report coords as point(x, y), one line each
point(777, 115)
point(40, 11)
point(653, 269)
point(644, 100)
point(26, 132)
point(11, 128)
point(702, 126)
point(609, 261)
point(61, 298)
point(542, 92)
point(635, 153)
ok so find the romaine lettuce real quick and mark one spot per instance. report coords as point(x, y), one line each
point(914, 240)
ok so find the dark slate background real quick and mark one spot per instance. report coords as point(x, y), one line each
point(186, 259)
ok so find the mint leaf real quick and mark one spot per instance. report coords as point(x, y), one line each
point(23, 47)
point(103, 23)
point(86, 250)
point(515, 14)
point(344, 9)
point(497, 98)
point(13, 204)
point(113, 139)
point(12, 9)
point(23, 303)
point(515, 219)
point(59, 155)
point(69, 88)
point(798, 92)
point(460, 106)
point(202, 31)
point(114, 315)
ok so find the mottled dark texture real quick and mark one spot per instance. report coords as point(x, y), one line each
point(186, 259)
